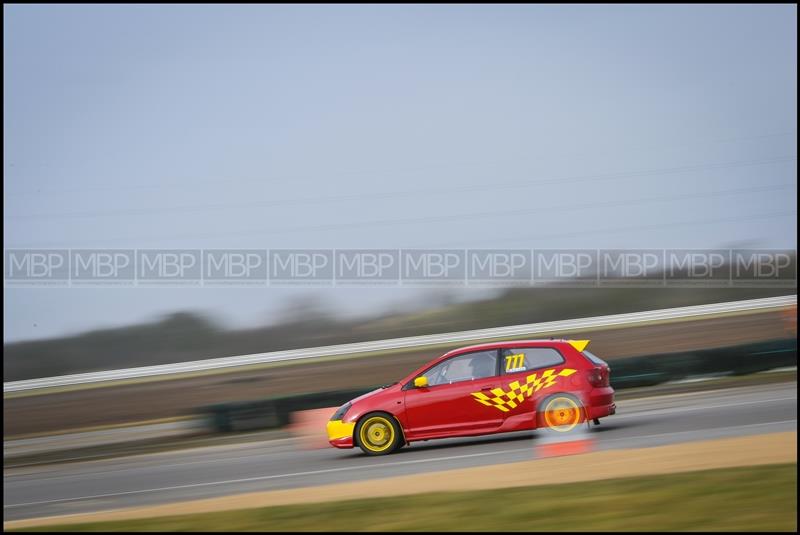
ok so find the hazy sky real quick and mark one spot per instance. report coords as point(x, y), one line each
point(186, 126)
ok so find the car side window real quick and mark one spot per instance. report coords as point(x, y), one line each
point(467, 367)
point(529, 358)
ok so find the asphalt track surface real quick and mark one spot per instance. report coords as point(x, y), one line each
point(280, 464)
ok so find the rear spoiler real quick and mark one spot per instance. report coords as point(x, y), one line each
point(579, 345)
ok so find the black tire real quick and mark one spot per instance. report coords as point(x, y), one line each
point(378, 433)
point(561, 415)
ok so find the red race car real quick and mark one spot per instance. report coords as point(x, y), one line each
point(480, 390)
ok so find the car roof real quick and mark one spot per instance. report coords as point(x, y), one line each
point(577, 344)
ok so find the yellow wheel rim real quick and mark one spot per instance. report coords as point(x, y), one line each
point(377, 434)
point(562, 414)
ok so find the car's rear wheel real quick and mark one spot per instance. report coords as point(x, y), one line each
point(378, 433)
point(561, 414)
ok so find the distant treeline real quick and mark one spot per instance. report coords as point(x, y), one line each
point(187, 336)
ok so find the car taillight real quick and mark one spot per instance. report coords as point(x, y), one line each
point(598, 377)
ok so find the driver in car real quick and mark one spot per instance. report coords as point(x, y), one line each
point(482, 367)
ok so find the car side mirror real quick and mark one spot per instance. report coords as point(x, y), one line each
point(421, 382)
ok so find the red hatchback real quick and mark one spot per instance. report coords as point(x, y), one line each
point(480, 390)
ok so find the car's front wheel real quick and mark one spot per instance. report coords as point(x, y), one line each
point(378, 433)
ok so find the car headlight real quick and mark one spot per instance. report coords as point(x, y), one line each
point(340, 412)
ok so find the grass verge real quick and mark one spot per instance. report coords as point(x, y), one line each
point(762, 498)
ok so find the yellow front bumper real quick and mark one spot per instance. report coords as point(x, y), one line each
point(338, 429)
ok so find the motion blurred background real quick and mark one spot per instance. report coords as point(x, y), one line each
point(348, 126)
point(334, 127)
point(379, 127)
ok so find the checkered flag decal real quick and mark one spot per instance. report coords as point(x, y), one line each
point(505, 401)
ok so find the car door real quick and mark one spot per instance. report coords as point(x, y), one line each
point(448, 405)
